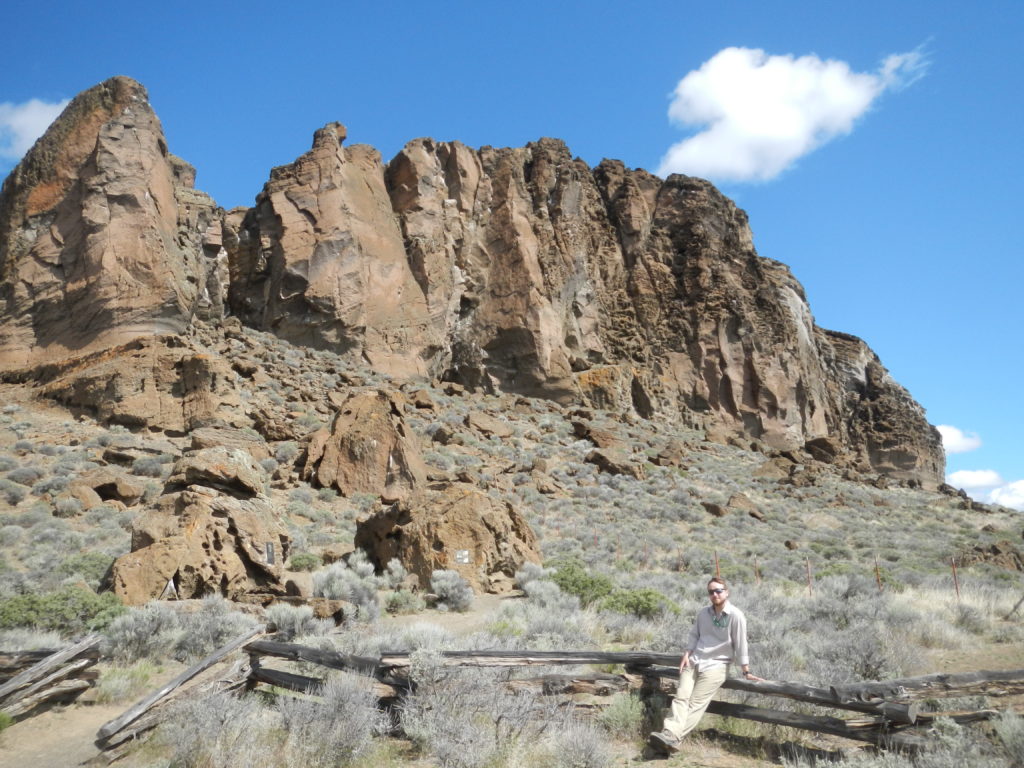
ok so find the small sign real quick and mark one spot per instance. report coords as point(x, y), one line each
point(270, 553)
point(462, 557)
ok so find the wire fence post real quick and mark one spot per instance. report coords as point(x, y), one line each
point(718, 573)
point(757, 572)
point(878, 575)
point(810, 587)
point(956, 581)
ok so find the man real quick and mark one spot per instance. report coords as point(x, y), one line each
point(718, 638)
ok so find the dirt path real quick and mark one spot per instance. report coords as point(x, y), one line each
point(61, 738)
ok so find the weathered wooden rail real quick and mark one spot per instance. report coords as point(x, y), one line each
point(887, 712)
point(891, 707)
point(48, 677)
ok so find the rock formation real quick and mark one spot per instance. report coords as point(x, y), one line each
point(526, 271)
point(101, 232)
point(368, 449)
point(459, 529)
point(212, 532)
point(502, 270)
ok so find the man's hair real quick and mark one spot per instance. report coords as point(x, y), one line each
point(718, 580)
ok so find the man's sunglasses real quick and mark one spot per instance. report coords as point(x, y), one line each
point(716, 591)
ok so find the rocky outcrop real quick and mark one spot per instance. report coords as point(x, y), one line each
point(101, 232)
point(212, 532)
point(459, 529)
point(501, 270)
point(367, 449)
point(525, 270)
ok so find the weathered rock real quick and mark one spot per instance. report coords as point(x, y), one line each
point(106, 484)
point(615, 463)
point(158, 383)
point(715, 510)
point(234, 439)
point(100, 232)
point(367, 449)
point(486, 425)
point(457, 529)
point(1003, 554)
point(607, 286)
point(203, 542)
point(501, 270)
point(230, 471)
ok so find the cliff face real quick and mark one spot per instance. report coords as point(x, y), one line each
point(518, 270)
point(100, 232)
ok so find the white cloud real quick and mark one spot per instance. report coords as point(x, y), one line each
point(761, 113)
point(956, 441)
point(1010, 495)
point(975, 479)
point(22, 124)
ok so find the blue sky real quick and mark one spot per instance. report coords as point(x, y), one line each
point(892, 195)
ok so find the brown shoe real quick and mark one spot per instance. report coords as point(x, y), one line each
point(663, 741)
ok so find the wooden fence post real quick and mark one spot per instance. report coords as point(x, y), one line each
point(956, 581)
point(810, 588)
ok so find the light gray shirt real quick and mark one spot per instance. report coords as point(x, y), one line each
point(710, 644)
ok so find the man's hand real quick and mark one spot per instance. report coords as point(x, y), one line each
point(685, 662)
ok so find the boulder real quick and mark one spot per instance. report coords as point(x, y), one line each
point(202, 542)
point(235, 439)
point(615, 463)
point(212, 532)
point(231, 471)
point(367, 449)
point(458, 529)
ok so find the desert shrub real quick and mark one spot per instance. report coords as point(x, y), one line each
point(214, 624)
point(466, 718)
point(335, 729)
point(13, 493)
point(395, 573)
point(6, 721)
point(148, 466)
point(453, 592)
point(121, 684)
point(304, 561)
point(353, 581)
point(624, 717)
point(286, 451)
point(269, 465)
point(7, 463)
point(91, 566)
point(403, 602)
point(643, 603)
point(530, 572)
point(572, 577)
point(67, 507)
point(578, 744)
point(1009, 727)
point(223, 730)
point(70, 610)
point(50, 485)
point(291, 621)
point(327, 495)
point(150, 631)
point(25, 639)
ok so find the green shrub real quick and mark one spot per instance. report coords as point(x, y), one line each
point(573, 578)
point(69, 610)
point(91, 566)
point(304, 561)
point(643, 603)
point(402, 602)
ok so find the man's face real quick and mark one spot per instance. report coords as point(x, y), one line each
point(717, 593)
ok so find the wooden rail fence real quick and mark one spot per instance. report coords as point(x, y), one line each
point(36, 678)
point(887, 713)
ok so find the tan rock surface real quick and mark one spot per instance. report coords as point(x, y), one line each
point(100, 232)
point(458, 529)
point(367, 449)
point(213, 533)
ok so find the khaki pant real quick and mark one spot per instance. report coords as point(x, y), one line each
point(696, 687)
